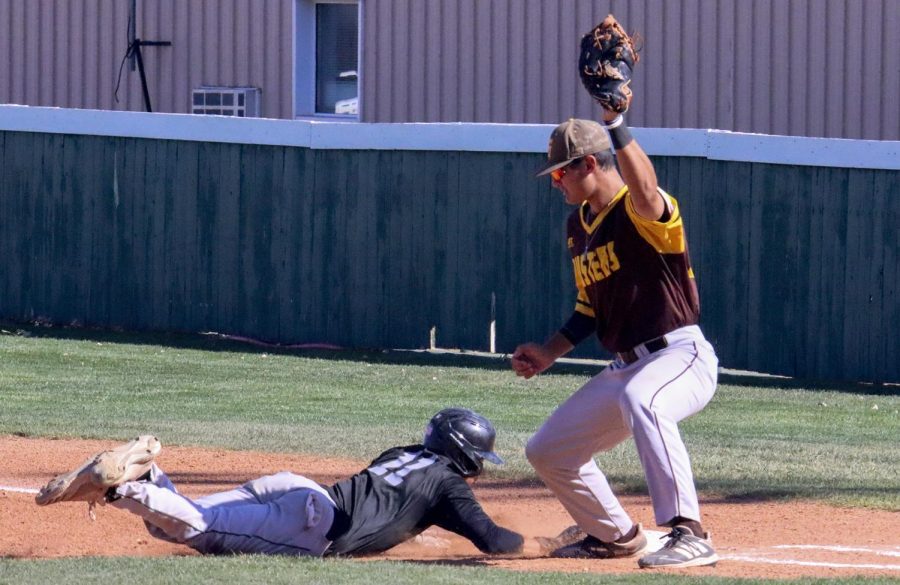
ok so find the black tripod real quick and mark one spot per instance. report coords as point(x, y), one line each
point(134, 50)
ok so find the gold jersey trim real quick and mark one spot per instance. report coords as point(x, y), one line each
point(584, 310)
point(597, 220)
point(665, 237)
point(583, 303)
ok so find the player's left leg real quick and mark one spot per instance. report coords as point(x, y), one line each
point(278, 514)
point(663, 389)
point(271, 487)
point(291, 516)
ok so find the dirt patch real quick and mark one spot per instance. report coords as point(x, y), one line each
point(761, 540)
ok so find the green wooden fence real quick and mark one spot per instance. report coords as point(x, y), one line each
point(798, 267)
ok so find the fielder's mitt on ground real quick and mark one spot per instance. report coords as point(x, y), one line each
point(607, 61)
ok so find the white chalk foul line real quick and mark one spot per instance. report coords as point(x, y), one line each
point(752, 559)
point(9, 488)
point(849, 549)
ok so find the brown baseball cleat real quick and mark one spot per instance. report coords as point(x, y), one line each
point(106, 469)
point(591, 547)
point(570, 535)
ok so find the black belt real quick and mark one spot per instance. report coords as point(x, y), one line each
point(654, 345)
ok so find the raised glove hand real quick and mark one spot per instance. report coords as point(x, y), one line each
point(606, 64)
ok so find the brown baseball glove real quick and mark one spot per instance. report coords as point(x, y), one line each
point(607, 61)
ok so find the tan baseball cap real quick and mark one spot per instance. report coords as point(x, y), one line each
point(573, 139)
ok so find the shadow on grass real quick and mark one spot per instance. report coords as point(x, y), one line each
point(787, 494)
point(492, 488)
point(763, 381)
point(459, 562)
point(461, 359)
point(225, 478)
point(720, 491)
point(230, 480)
point(216, 342)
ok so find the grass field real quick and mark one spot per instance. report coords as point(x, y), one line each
point(760, 438)
point(277, 571)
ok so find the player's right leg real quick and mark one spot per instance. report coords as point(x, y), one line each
point(561, 453)
point(167, 514)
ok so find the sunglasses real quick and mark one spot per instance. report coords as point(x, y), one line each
point(558, 174)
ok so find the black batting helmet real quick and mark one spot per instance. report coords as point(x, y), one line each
point(464, 436)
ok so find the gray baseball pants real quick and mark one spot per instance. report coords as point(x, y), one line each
point(284, 514)
point(646, 400)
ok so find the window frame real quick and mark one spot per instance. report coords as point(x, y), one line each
point(304, 69)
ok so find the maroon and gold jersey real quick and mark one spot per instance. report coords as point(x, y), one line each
point(633, 275)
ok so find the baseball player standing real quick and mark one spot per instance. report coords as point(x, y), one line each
point(636, 292)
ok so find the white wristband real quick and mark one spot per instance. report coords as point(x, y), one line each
point(619, 134)
point(616, 122)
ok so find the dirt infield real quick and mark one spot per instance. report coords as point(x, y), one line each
point(754, 539)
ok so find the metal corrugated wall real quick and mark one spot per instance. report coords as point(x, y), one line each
point(221, 42)
point(60, 53)
point(796, 67)
point(67, 53)
point(798, 267)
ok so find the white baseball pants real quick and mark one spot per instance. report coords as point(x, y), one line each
point(646, 400)
point(284, 514)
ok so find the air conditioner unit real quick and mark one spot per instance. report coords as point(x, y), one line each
point(242, 102)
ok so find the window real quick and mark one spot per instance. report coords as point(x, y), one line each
point(336, 58)
point(326, 57)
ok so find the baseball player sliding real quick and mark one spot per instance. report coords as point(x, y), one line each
point(636, 292)
point(402, 492)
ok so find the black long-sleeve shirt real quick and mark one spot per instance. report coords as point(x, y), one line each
point(402, 492)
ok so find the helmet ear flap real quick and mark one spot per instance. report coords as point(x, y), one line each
point(469, 462)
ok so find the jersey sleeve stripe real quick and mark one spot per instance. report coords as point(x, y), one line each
point(584, 309)
point(666, 238)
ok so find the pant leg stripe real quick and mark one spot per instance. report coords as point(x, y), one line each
point(248, 536)
point(659, 429)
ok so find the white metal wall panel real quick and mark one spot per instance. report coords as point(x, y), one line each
point(66, 53)
point(798, 67)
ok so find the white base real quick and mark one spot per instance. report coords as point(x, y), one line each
point(655, 540)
